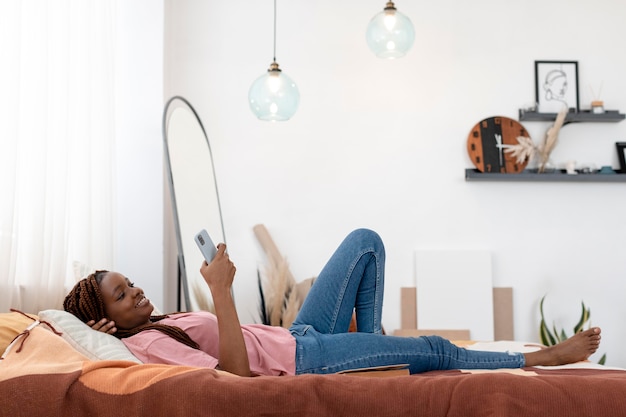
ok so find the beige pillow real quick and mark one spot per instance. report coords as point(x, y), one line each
point(93, 344)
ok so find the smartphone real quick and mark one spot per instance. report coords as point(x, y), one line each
point(206, 245)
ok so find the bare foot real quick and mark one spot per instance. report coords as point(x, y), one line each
point(575, 349)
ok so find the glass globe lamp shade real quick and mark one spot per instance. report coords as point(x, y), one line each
point(390, 34)
point(274, 96)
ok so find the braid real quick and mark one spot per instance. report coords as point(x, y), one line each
point(172, 331)
point(85, 302)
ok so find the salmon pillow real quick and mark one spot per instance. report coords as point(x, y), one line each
point(12, 324)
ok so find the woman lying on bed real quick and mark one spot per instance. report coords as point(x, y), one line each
point(317, 342)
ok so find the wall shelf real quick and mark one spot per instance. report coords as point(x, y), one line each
point(472, 174)
point(609, 116)
point(531, 175)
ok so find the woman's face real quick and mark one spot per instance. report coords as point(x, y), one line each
point(559, 87)
point(124, 303)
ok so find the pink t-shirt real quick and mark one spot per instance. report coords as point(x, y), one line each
point(271, 349)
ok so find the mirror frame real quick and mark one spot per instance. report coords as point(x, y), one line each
point(172, 104)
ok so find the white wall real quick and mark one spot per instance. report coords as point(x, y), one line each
point(381, 144)
point(139, 147)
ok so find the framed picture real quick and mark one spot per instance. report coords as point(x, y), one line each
point(556, 85)
point(621, 156)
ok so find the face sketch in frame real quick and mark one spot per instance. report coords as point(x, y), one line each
point(555, 86)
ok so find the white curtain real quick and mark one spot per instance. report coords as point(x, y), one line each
point(56, 146)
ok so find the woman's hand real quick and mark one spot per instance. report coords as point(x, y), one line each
point(219, 274)
point(104, 326)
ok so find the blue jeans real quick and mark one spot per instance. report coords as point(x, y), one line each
point(353, 281)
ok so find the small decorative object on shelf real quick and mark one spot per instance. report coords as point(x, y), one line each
point(597, 107)
point(606, 169)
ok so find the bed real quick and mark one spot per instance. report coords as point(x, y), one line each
point(59, 367)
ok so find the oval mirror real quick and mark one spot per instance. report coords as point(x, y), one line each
point(194, 196)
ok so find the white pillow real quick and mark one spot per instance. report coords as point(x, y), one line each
point(93, 344)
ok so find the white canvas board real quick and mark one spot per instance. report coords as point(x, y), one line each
point(455, 291)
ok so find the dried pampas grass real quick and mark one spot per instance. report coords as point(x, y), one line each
point(281, 297)
point(291, 309)
point(550, 140)
point(279, 286)
point(296, 298)
point(523, 151)
point(200, 294)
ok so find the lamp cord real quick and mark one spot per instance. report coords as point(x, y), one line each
point(274, 30)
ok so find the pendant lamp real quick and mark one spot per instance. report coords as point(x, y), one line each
point(390, 34)
point(274, 96)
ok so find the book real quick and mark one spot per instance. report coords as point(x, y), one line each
point(378, 371)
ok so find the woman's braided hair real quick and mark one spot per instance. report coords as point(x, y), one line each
point(85, 302)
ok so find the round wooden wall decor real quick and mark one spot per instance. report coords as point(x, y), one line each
point(487, 142)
